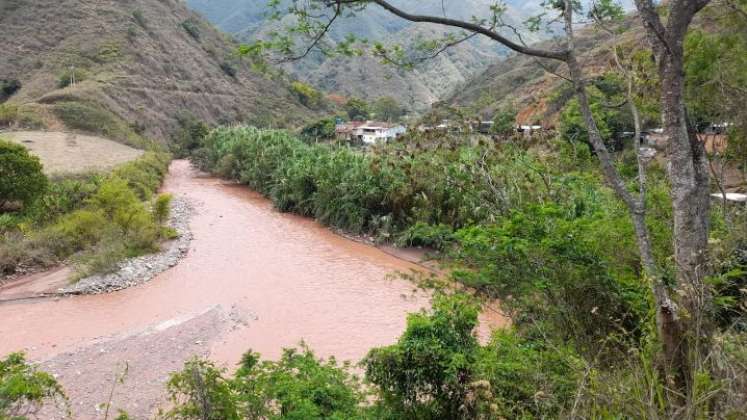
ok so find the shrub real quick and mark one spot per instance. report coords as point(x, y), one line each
point(67, 77)
point(12, 115)
point(308, 96)
point(429, 236)
point(79, 230)
point(190, 25)
point(63, 196)
point(21, 176)
point(189, 135)
point(162, 208)
point(429, 373)
point(8, 114)
point(140, 18)
point(8, 222)
point(298, 386)
point(228, 69)
point(553, 265)
point(98, 220)
point(9, 88)
point(24, 389)
point(108, 52)
point(145, 174)
point(529, 378)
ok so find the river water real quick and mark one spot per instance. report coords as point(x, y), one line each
point(277, 278)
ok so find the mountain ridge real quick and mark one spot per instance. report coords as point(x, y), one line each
point(145, 62)
point(367, 77)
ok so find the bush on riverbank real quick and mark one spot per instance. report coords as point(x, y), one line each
point(437, 370)
point(97, 219)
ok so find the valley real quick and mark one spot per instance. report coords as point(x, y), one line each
point(276, 281)
point(212, 212)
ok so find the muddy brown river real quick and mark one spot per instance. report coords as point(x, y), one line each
point(253, 279)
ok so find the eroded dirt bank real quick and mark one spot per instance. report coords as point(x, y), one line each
point(253, 279)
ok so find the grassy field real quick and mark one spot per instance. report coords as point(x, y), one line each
point(73, 153)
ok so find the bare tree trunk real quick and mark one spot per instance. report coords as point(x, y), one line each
point(688, 174)
point(669, 325)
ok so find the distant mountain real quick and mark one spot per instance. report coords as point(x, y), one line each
point(522, 82)
point(145, 62)
point(366, 77)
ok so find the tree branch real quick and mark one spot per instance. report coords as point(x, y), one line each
point(473, 27)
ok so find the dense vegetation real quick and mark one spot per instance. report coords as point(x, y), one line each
point(437, 370)
point(531, 225)
point(96, 219)
point(21, 177)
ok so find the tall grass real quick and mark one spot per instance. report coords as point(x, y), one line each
point(383, 193)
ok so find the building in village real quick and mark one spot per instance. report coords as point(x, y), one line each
point(714, 136)
point(369, 132)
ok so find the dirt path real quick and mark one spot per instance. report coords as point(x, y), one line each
point(253, 279)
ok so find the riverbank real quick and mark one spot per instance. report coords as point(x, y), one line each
point(130, 272)
point(138, 270)
point(271, 280)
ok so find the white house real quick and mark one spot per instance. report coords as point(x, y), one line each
point(376, 132)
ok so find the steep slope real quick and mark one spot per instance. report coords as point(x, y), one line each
point(144, 62)
point(523, 82)
point(367, 77)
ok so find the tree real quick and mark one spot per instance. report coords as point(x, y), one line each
point(611, 119)
point(428, 373)
point(357, 109)
point(681, 305)
point(504, 121)
point(309, 97)
point(21, 178)
point(323, 129)
point(388, 109)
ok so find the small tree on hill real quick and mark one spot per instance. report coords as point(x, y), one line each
point(388, 109)
point(357, 109)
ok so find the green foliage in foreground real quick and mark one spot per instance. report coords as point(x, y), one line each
point(21, 176)
point(24, 389)
point(437, 370)
point(298, 386)
point(97, 219)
